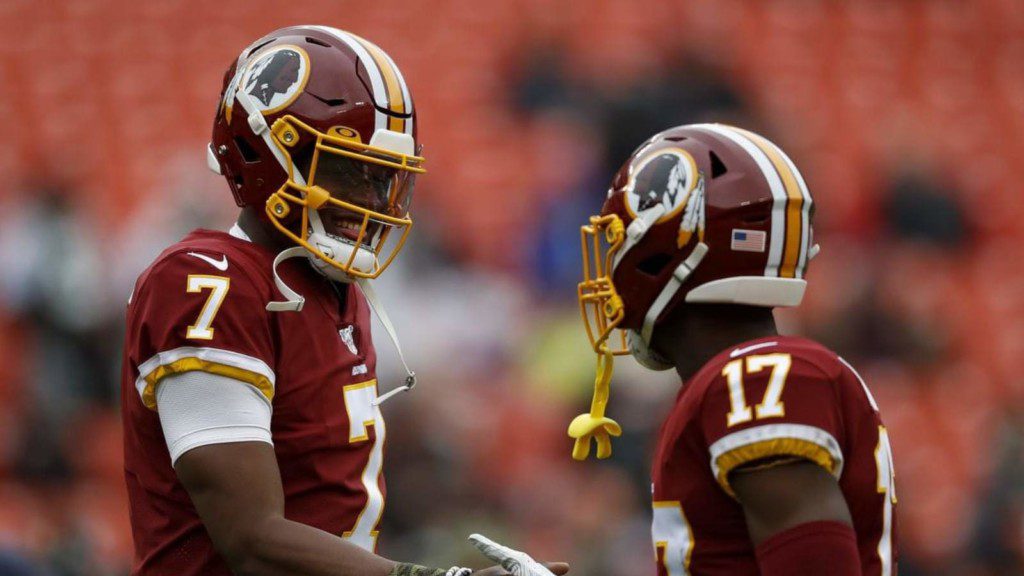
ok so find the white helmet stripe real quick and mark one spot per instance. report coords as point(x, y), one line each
point(376, 77)
point(405, 93)
point(805, 214)
point(778, 229)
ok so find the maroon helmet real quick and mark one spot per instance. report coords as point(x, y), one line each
point(702, 213)
point(317, 126)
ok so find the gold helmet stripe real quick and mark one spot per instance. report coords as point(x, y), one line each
point(794, 206)
point(805, 215)
point(392, 82)
point(406, 97)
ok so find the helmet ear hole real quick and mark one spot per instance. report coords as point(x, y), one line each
point(248, 154)
point(653, 265)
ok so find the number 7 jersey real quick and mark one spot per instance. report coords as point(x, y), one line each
point(202, 306)
point(757, 404)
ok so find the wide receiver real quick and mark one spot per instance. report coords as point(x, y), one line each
point(253, 435)
point(773, 459)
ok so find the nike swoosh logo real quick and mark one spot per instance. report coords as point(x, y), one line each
point(221, 264)
point(742, 351)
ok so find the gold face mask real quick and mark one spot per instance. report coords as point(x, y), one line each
point(601, 308)
point(367, 188)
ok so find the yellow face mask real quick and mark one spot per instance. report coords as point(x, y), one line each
point(601, 308)
point(367, 188)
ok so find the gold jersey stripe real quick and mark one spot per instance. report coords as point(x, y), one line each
point(797, 447)
point(794, 206)
point(396, 101)
point(261, 382)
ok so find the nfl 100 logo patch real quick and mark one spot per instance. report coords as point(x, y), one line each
point(748, 240)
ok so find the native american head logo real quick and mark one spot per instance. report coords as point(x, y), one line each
point(276, 77)
point(668, 178)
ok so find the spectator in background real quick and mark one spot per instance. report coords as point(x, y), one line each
point(920, 207)
point(12, 564)
point(52, 285)
point(998, 542)
point(685, 92)
point(587, 128)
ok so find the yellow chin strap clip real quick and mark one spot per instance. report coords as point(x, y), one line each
point(595, 425)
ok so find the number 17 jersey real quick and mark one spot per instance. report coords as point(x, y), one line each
point(755, 405)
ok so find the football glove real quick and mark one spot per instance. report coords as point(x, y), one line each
point(515, 562)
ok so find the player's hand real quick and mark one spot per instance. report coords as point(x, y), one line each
point(512, 561)
point(557, 568)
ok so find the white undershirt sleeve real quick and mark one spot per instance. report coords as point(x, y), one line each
point(198, 408)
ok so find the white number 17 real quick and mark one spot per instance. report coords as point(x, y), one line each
point(771, 405)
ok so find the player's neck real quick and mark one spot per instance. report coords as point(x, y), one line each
point(259, 233)
point(694, 334)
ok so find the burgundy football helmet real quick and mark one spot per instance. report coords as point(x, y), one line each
point(317, 126)
point(702, 213)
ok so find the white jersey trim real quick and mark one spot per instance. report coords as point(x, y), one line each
point(237, 232)
point(214, 356)
point(863, 384)
point(802, 432)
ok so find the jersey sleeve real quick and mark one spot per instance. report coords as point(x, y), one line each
point(762, 409)
point(187, 314)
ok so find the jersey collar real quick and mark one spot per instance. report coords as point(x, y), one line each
point(237, 232)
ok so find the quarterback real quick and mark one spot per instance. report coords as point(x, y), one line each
point(773, 459)
point(253, 435)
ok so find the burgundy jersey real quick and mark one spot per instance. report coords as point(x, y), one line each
point(202, 306)
point(754, 404)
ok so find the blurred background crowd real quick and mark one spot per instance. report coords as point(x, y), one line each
point(906, 118)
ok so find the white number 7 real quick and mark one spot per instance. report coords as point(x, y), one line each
point(673, 539)
point(771, 405)
point(362, 414)
point(218, 286)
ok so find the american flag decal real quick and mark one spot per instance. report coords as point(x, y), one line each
point(748, 240)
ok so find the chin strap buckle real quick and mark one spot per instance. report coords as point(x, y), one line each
point(410, 383)
point(257, 123)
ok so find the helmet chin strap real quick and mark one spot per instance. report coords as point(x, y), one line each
point(385, 320)
point(679, 275)
point(294, 302)
point(637, 229)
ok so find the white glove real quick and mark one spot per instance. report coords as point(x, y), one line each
point(515, 562)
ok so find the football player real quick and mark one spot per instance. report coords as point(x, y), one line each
point(253, 434)
point(773, 459)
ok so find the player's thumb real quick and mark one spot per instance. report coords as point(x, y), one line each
point(558, 568)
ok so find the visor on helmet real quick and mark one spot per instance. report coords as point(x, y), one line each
point(360, 193)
